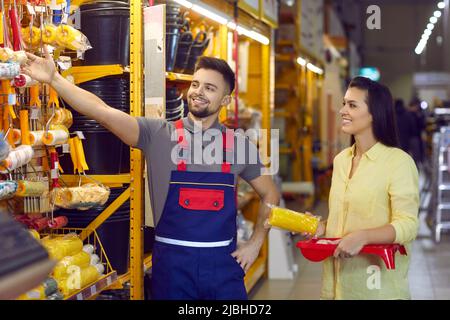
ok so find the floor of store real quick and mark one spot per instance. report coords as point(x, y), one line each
point(429, 273)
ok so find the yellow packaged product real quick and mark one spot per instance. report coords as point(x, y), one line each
point(293, 221)
point(81, 259)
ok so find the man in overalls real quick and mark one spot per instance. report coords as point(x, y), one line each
point(194, 204)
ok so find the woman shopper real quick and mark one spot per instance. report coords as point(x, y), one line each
point(374, 199)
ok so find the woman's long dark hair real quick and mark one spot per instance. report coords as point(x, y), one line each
point(381, 107)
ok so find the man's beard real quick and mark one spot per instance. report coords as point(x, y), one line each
point(200, 113)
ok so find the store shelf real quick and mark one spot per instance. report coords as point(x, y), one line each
point(87, 73)
point(286, 150)
point(444, 206)
point(285, 43)
point(171, 76)
point(285, 58)
point(105, 179)
point(285, 86)
point(255, 273)
point(122, 279)
point(92, 290)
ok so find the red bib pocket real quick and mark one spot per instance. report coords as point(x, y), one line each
point(201, 199)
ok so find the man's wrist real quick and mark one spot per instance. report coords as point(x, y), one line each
point(56, 79)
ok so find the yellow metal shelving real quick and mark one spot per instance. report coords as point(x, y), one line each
point(179, 77)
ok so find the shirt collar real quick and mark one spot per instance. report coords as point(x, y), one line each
point(189, 125)
point(372, 153)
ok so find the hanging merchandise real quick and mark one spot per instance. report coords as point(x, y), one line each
point(9, 70)
point(49, 34)
point(70, 38)
point(17, 158)
point(31, 36)
point(24, 127)
point(84, 197)
point(55, 137)
point(8, 55)
point(7, 189)
point(23, 81)
point(58, 222)
point(4, 147)
point(16, 136)
point(35, 138)
point(31, 188)
point(77, 155)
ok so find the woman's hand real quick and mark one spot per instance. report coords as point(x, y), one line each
point(319, 232)
point(351, 245)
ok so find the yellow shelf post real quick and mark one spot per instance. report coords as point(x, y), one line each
point(136, 165)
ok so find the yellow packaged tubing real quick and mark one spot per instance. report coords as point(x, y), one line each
point(31, 188)
point(81, 259)
point(293, 221)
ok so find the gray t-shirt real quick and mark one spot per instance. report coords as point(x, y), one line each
point(156, 140)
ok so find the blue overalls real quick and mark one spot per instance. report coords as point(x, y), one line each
point(197, 234)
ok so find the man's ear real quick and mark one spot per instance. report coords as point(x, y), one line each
point(226, 100)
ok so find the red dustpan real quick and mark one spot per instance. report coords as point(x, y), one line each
point(314, 251)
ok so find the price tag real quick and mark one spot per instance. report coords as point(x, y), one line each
point(80, 135)
point(34, 114)
point(30, 9)
point(12, 99)
point(39, 9)
point(65, 148)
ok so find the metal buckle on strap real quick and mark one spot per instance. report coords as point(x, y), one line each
point(193, 243)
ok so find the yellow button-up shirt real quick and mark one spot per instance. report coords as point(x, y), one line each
point(384, 189)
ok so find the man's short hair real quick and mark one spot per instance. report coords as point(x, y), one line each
point(219, 65)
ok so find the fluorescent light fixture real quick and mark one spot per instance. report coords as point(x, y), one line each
point(437, 14)
point(209, 14)
point(420, 47)
point(224, 21)
point(427, 32)
point(184, 3)
point(301, 61)
point(433, 19)
point(441, 5)
point(425, 37)
point(430, 26)
point(259, 37)
point(314, 68)
point(231, 25)
point(424, 105)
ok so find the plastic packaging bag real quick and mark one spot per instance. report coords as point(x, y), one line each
point(293, 221)
point(83, 197)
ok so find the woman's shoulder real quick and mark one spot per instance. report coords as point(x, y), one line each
point(396, 156)
point(344, 154)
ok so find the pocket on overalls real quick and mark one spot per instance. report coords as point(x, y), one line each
point(201, 199)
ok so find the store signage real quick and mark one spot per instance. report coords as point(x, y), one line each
point(370, 72)
point(250, 6)
point(269, 12)
point(312, 28)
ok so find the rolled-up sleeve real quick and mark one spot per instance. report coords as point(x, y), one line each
point(404, 198)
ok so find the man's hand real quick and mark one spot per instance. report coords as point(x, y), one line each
point(40, 69)
point(351, 244)
point(246, 255)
